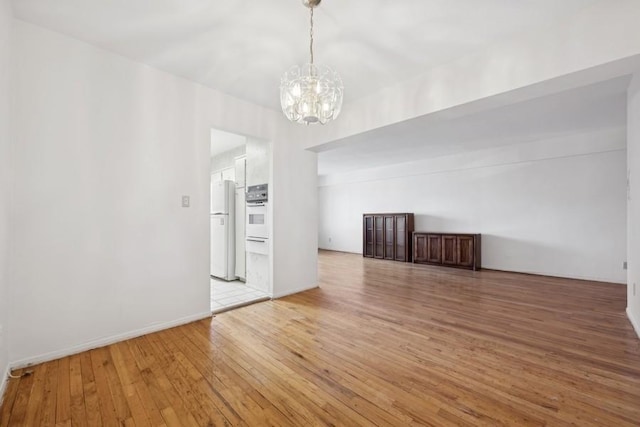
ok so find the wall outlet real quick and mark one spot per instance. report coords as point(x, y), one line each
point(186, 201)
point(329, 239)
point(624, 265)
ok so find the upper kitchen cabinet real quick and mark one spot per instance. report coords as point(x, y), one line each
point(227, 174)
point(240, 169)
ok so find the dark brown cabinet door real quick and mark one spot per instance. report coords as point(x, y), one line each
point(389, 237)
point(367, 233)
point(434, 248)
point(449, 250)
point(378, 236)
point(465, 251)
point(401, 238)
point(420, 251)
point(452, 250)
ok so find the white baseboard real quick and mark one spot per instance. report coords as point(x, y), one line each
point(284, 294)
point(634, 322)
point(101, 342)
point(564, 276)
point(3, 383)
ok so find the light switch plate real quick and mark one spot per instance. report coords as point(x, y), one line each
point(186, 201)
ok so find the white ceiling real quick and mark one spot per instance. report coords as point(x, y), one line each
point(242, 47)
point(594, 107)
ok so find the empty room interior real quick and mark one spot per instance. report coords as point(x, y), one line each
point(297, 212)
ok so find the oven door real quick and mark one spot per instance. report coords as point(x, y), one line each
point(257, 220)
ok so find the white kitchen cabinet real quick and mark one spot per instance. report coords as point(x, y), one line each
point(240, 171)
point(229, 174)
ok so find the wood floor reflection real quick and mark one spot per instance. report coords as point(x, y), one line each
point(379, 343)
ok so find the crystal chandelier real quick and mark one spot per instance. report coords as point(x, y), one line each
point(311, 93)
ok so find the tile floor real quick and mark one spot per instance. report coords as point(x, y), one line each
point(227, 295)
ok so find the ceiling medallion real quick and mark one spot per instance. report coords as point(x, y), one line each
point(311, 93)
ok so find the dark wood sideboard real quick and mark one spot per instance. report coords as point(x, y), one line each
point(387, 236)
point(447, 249)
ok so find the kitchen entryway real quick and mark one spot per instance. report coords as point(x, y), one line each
point(239, 220)
point(227, 295)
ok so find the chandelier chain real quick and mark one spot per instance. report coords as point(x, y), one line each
point(311, 36)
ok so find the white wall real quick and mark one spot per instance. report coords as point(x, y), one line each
point(105, 148)
point(554, 207)
point(633, 209)
point(6, 23)
point(295, 215)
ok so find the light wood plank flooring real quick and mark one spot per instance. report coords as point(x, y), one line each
point(380, 343)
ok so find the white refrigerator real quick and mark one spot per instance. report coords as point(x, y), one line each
point(222, 230)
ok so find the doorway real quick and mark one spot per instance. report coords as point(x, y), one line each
point(228, 267)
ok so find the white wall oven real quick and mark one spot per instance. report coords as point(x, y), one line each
point(257, 220)
point(258, 224)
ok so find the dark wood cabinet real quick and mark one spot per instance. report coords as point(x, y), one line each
point(449, 250)
point(403, 227)
point(389, 239)
point(466, 251)
point(434, 247)
point(387, 236)
point(452, 250)
point(420, 248)
point(367, 232)
point(378, 236)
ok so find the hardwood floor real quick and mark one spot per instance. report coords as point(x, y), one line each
point(380, 343)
